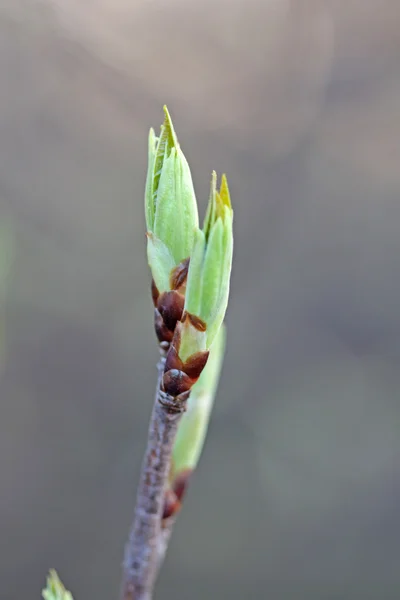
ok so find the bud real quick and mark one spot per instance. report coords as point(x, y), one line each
point(170, 205)
point(55, 589)
point(207, 287)
point(206, 296)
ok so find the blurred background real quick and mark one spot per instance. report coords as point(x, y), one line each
point(297, 495)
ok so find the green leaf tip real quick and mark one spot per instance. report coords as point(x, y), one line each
point(208, 282)
point(55, 590)
point(219, 204)
point(170, 201)
point(169, 129)
point(224, 192)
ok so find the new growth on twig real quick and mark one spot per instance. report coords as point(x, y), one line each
point(190, 287)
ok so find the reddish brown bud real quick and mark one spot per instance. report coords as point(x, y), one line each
point(195, 364)
point(170, 305)
point(174, 495)
point(173, 361)
point(179, 275)
point(162, 332)
point(197, 323)
point(180, 483)
point(171, 504)
point(176, 382)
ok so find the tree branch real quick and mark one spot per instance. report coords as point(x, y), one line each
point(163, 539)
point(141, 559)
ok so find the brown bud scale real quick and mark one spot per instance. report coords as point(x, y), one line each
point(179, 275)
point(173, 361)
point(197, 323)
point(170, 305)
point(171, 504)
point(195, 363)
point(180, 483)
point(162, 332)
point(175, 382)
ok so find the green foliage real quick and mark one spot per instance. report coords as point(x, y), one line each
point(210, 266)
point(54, 589)
point(170, 204)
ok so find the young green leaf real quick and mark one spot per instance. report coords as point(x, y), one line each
point(54, 589)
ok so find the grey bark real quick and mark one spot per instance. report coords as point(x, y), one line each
point(141, 559)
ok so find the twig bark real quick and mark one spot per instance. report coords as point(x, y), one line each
point(141, 559)
point(163, 540)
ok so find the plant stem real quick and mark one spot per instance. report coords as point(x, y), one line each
point(163, 539)
point(141, 559)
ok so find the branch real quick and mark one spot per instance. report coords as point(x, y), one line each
point(163, 539)
point(141, 553)
point(190, 287)
point(189, 441)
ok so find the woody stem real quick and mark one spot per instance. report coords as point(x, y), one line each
point(140, 564)
point(163, 539)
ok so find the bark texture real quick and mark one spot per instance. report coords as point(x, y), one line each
point(141, 559)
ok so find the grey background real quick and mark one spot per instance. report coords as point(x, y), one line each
point(297, 494)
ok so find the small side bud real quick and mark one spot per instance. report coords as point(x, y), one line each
point(172, 504)
point(55, 589)
point(170, 306)
point(164, 335)
point(176, 382)
point(175, 494)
